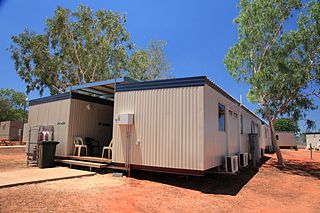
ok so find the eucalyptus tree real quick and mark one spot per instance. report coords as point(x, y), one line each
point(76, 47)
point(286, 124)
point(13, 105)
point(280, 65)
point(150, 63)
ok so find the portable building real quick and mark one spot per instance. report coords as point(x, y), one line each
point(71, 115)
point(183, 125)
point(313, 138)
point(286, 139)
point(11, 130)
point(187, 124)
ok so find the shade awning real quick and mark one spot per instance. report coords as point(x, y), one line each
point(102, 89)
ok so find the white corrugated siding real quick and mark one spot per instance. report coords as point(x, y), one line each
point(169, 124)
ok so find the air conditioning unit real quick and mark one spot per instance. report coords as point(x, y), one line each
point(231, 164)
point(243, 159)
point(123, 119)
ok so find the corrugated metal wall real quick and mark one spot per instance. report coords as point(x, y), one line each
point(95, 122)
point(313, 139)
point(4, 129)
point(169, 124)
point(265, 136)
point(216, 141)
point(248, 118)
point(55, 114)
point(286, 139)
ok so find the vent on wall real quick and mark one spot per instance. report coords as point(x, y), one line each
point(243, 159)
point(231, 164)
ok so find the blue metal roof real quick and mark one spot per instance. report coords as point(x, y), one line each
point(179, 82)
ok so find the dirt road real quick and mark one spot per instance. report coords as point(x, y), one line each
point(293, 189)
point(12, 158)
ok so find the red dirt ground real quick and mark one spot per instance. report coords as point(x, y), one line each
point(271, 189)
point(12, 158)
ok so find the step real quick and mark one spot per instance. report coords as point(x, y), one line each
point(117, 168)
point(83, 163)
point(87, 158)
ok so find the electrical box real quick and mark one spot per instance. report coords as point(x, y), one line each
point(123, 119)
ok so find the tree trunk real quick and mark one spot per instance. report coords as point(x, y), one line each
point(275, 144)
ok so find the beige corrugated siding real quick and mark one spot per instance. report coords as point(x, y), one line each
point(286, 139)
point(265, 136)
point(52, 113)
point(169, 124)
point(85, 123)
point(215, 141)
point(248, 118)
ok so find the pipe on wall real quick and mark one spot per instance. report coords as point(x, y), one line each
point(228, 129)
point(239, 125)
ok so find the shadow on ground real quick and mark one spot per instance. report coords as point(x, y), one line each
point(302, 168)
point(208, 184)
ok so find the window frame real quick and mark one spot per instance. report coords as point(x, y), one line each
point(241, 124)
point(220, 127)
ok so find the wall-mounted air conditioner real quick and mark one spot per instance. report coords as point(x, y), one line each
point(231, 164)
point(243, 159)
point(123, 119)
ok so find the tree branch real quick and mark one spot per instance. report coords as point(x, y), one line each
point(268, 47)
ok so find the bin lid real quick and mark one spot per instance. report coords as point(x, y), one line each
point(48, 142)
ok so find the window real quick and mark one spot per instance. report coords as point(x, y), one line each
point(277, 137)
point(221, 117)
point(241, 123)
point(253, 129)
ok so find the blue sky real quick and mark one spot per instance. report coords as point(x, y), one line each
point(199, 34)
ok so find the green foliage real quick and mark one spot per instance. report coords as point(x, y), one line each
point(311, 125)
point(149, 63)
point(282, 67)
point(286, 124)
point(76, 47)
point(12, 105)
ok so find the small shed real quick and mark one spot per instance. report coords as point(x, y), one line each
point(286, 140)
point(313, 138)
point(9, 130)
